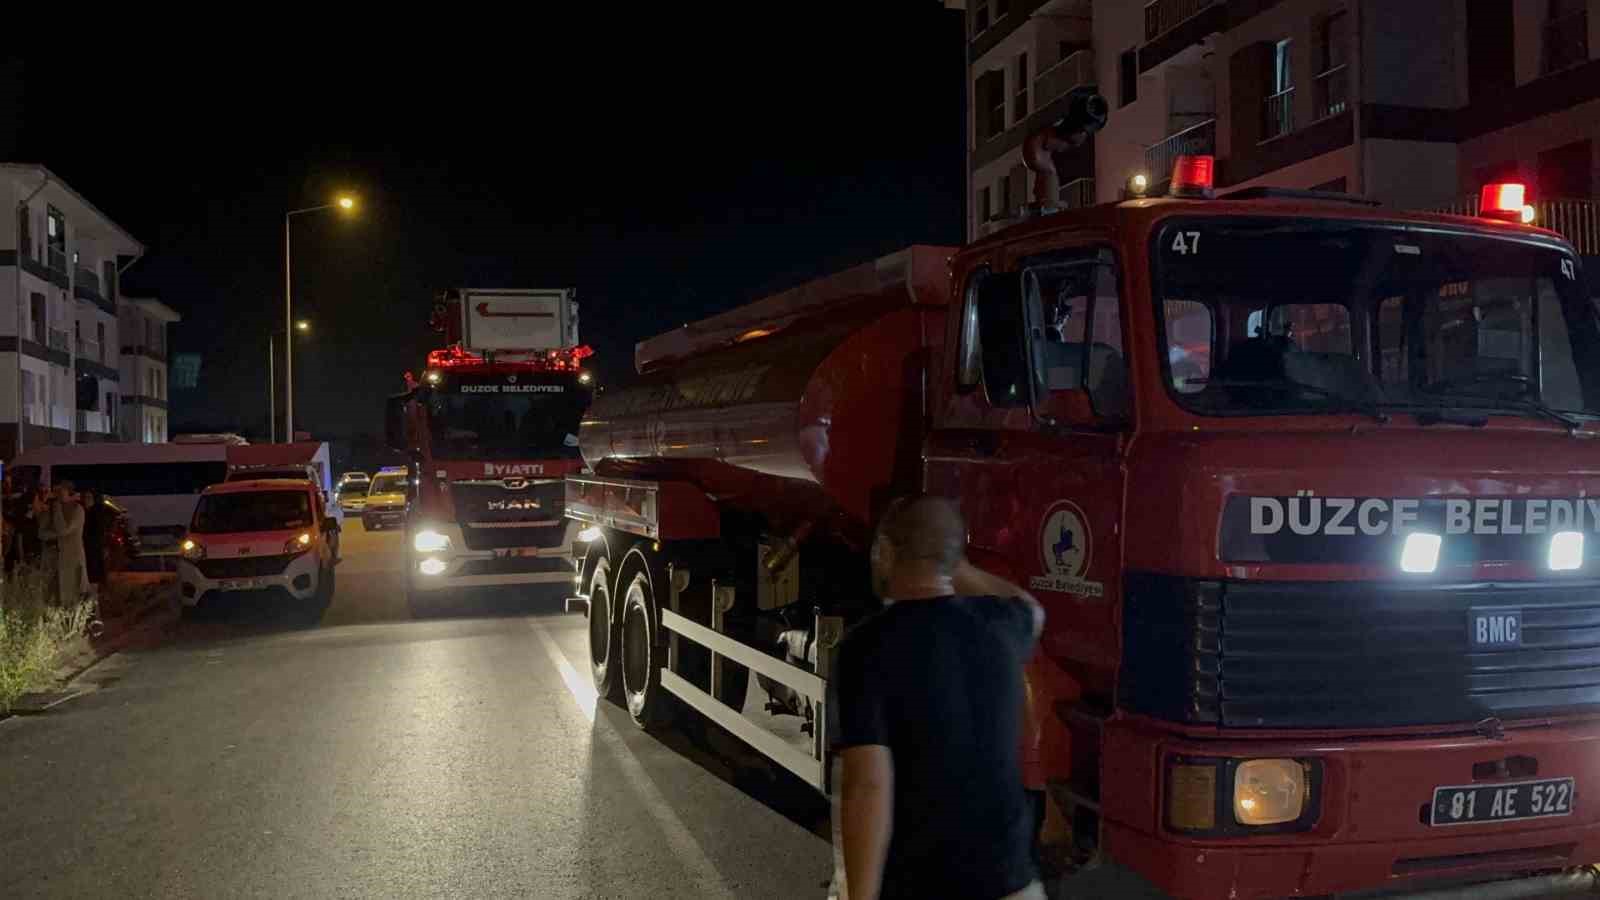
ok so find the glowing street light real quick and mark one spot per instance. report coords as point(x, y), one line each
point(345, 203)
point(302, 326)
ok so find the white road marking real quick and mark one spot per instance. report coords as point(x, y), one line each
point(684, 847)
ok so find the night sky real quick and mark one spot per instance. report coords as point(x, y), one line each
point(668, 171)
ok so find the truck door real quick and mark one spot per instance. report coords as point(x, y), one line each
point(1031, 443)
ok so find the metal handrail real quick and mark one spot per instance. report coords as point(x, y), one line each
point(1076, 69)
point(1196, 139)
point(1161, 16)
point(1332, 91)
point(1279, 114)
point(1577, 220)
point(1077, 193)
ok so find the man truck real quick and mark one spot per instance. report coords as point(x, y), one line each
point(490, 427)
point(1323, 600)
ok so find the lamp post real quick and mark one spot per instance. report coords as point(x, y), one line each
point(303, 327)
point(344, 204)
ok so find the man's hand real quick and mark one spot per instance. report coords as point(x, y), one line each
point(972, 581)
point(866, 817)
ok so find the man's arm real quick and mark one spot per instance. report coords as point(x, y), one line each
point(972, 581)
point(866, 817)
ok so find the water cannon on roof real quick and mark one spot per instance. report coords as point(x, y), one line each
point(1086, 114)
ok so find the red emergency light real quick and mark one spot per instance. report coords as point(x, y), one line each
point(1193, 176)
point(564, 360)
point(1503, 200)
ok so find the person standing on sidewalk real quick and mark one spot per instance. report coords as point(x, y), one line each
point(62, 528)
point(930, 714)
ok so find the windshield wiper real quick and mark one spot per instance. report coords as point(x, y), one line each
point(1525, 401)
point(1342, 402)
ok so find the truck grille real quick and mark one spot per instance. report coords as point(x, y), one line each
point(492, 538)
point(517, 565)
point(1310, 655)
point(493, 503)
point(243, 566)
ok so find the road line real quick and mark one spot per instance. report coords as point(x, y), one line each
point(684, 847)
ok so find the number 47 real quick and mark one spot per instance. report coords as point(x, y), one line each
point(1186, 242)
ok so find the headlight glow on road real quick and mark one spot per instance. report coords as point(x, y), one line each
point(429, 541)
point(431, 566)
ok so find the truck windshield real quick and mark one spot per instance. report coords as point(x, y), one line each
point(252, 511)
point(1287, 316)
point(506, 418)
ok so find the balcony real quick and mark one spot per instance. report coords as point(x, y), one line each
point(57, 260)
point(86, 279)
point(1277, 114)
point(1161, 16)
point(1196, 139)
point(1077, 194)
point(60, 340)
point(1566, 42)
point(1075, 70)
point(1332, 91)
point(90, 350)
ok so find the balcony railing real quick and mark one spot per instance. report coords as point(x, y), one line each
point(1077, 193)
point(60, 340)
point(1332, 90)
point(1566, 41)
point(57, 260)
point(1196, 139)
point(1075, 70)
point(1161, 16)
point(1576, 220)
point(87, 279)
point(1278, 113)
point(90, 350)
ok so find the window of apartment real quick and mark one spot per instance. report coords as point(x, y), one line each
point(984, 199)
point(991, 97)
point(1332, 84)
point(1566, 35)
point(56, 239)
point(111, 412)
point(1567, 172)
point(1128, 76)
point(980, 16)
point(100, 338)
point(1278, 109)
point(40, 317)
point(1005, 197)
point(30, 395)
point(108, 280)
point(1019, 102)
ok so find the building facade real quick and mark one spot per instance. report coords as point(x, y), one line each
point(145, 381)
point(1414, 104)
point(60, 266)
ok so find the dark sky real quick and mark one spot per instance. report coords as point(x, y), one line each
point(667, 168)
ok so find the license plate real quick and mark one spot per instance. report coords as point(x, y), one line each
point(1471, 804)
point(1493, 629)
point(240, 584)
point(516, 552)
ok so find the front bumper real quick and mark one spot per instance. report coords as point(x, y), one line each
point(465, 568)
point(298, 580)
point(1371, 830)
point(391, 516)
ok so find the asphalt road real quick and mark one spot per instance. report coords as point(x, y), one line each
point(371, 755)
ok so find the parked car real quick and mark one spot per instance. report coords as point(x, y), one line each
point(387, 498)
point(351, 492)
point(270, 537)
point(295, 472)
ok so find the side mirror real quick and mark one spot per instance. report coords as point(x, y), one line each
point(1071, 405)
point(394, 422)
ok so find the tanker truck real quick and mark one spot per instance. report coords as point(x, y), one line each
point(1302, 482)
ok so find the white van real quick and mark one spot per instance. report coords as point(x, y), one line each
point(158, 484)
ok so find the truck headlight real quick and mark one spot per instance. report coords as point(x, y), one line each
point(192, 550)
point(429, 541)
point(1269, 791)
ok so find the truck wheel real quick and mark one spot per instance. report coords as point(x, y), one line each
point(647, 701)
point(603, 634)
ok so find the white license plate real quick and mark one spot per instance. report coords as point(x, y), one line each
point(1474, 803)
point(240, 584)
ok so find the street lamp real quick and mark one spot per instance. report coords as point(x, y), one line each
point(304, 327)
point(344, 203)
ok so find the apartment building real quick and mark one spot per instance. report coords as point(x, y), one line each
point(1414, 104)
point(1024, 59)
point(60, 261)
point(144, 322)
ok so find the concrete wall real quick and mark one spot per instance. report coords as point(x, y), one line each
point(1414, 53)
point(1524, 142)
point(1410, 174)
point(1119, 147)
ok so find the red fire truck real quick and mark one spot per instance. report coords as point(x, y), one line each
point(490, 427)
point(1324, 600)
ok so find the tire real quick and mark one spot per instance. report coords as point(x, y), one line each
point(647, 701)
point(604, 635)
point(323, 598)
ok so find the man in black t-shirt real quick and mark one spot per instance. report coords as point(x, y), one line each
point(930, 721)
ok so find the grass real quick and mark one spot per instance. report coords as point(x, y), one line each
point(33, 631)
